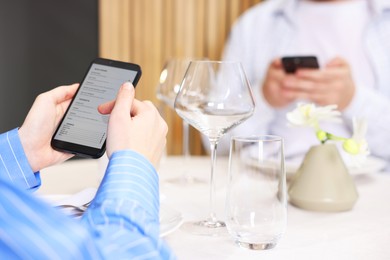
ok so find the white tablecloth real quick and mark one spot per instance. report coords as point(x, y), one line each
point(362, 233)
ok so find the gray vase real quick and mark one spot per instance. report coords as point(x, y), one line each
point(322, 182)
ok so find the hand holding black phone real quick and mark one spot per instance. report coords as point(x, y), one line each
point(83, 130)
point(292, 63)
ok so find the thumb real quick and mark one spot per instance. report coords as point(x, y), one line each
point(336, 62)
point(124, 99)
point(106, 108)
point(276, 63)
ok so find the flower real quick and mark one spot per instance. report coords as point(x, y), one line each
point(309, 115)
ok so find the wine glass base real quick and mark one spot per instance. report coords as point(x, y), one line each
point(256, 246)
point(206, 228)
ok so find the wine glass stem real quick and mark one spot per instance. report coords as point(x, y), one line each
point(213, 149)
point(186, 150)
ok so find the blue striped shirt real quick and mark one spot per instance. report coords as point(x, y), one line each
point(121, 223)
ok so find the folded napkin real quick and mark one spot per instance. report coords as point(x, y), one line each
point(80, 198)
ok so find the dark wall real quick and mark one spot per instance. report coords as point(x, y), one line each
point(43, 44)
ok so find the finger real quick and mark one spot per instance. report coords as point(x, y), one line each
point(276, 63)
point(321, 100)
point(297, 84)
point(64, 106)
point(139, 106)
point(106, 108)
point(60, 94)
point(302, 95)
point(124, 100)
point(276, 67)
point(325, 75)
point(289, 94)
point(336, 71)
point(311, 74)
point(276, 73)
point(337, 62)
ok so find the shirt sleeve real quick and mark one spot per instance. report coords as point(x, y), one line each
point(14, 166)
point(121, 223)
point(124, 215)
point(32, 229)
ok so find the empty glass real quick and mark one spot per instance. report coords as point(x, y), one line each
point(214, 97)
point(256, 205)
point(170, 79)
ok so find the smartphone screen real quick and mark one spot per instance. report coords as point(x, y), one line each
point(291, 64)
point(83, 129)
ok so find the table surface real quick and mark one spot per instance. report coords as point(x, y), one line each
point(362, 233)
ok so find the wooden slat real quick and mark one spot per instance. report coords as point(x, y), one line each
point(245, 4)
point(138, 29)
point(124, 31)
point(212, 29)
point(157, 48)
point(234, 11)
point(200, 28)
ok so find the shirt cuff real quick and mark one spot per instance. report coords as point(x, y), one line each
point(14, 165)
point(131, 176)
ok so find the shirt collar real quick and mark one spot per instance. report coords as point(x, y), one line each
point(286, 8)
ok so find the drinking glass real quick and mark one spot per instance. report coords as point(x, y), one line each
point(214, 97)
point(256, 204)
point(170, 79)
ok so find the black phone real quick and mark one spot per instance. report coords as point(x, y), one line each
point(83, 130)
point(291, 64)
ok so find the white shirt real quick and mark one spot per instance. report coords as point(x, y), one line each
point(269, 30)
point(340, 36)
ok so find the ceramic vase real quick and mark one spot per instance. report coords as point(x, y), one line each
point(322, 182)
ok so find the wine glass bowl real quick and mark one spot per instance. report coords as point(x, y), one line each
point(214, 97)
point(170, 79)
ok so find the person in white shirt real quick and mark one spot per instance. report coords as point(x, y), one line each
point(350, 38)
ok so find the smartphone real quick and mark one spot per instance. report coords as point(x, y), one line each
point(83, 130)
point(291, 64)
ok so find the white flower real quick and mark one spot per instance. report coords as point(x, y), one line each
point(310, 115)
point(359, 130)
point(357, 144)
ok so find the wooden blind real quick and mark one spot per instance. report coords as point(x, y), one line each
point(149, 32)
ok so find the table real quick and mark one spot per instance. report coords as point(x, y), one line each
point(362, 233)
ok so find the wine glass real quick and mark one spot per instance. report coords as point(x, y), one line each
point(214, 97)
point(170, 79)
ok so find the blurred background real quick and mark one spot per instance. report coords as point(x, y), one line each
point(43, 44)
point(47, 43)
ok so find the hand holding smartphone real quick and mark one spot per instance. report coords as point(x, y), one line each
point(291, 64)
point(83, 130)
